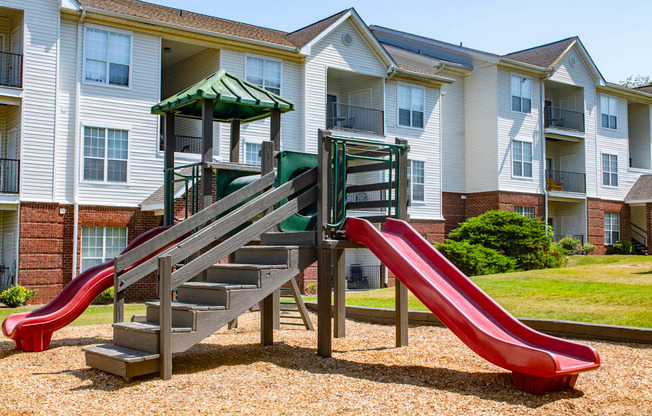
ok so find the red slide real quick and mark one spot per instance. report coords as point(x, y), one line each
point(538, 362)
point(32, 331)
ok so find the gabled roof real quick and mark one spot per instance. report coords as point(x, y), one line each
point(421, 64)
point(646, 89)
point(234, 99)
point(304, 35)
point(545, 56)
point(641, 191)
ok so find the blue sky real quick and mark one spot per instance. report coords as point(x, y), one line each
point(617, 34)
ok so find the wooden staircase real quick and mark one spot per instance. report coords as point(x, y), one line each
point(201, 307)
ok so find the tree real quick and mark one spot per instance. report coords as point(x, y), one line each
point(635, 81)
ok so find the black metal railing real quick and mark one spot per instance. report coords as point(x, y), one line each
point(11, 69)
point(639, 239)
point(563, 119)
point(367, 196)
point(558, 237)
point(351, 117)
point(185, 144)
point(360, 277)
point(563, 181)
point(9, 176)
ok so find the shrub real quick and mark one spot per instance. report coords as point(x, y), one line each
point(474, 259)
point(311, 289)
point(571, 244)
point(588, 248)
point(512, 235)
point(621, 247)
point(16, 296)
point(105, 297)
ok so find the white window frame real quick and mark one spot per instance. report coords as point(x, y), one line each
point(264, 58)
point(523, 161)
point(610, 172)
point(131, 57)
point(106, 127)
point(104, 257)
point(612, 107)
point(521, 80)
point(244, 152)
point(398, 108)
point(525, 211)
point(412, 182)
point(611, 219)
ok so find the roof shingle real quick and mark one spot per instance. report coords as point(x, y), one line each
point(304, 35)
point(641, 190)
point(545, 55)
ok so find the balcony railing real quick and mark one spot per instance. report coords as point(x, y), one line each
point(564, 119)
point(351, 117)
point(562, 181)
point(11, 69)
point(363, 277)
point(9, 176)
point(185, 144)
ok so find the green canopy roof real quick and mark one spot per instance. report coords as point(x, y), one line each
point(234, 99)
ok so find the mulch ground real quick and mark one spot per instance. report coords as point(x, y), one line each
point(230, 373)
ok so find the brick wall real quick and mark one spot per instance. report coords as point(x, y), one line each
point(46, 244)
point(509, 200)
point(596, 209)
point(648, 215)
point(453, 209)
point(480, 202)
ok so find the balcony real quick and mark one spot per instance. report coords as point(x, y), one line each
point(363, 277)
point(559, 118)
point(185, 144)
point(353, 118)
point(11, 70)
point(562, 181)
point(9, 176)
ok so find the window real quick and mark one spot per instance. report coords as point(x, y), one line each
point(609, 170)
point(105, 154)
point(417, 178)
point(101, 244)
point(108, 57)
point(522, 159)
point(266, 74)
point(521, 94)
point(609, 112)
point(410, 106)
point(252, 153)
point(611, 228)
point(527, 212)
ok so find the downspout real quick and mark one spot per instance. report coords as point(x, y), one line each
point(75, 176)
point(441, 150)
point(542, 124)
point(56, 112)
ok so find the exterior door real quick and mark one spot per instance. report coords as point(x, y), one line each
point(332, 119)
point(8, 261)
point(569, 176)
point(359, 110)
point(568, 225)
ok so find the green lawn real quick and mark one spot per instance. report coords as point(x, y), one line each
point(615, 290)
point(94, 315)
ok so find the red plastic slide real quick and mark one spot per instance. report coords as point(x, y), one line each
point(538, 362)
point(32, 331)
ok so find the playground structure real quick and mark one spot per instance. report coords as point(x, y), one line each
point(275, 220)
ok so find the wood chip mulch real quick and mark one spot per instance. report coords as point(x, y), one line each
point(230, 373)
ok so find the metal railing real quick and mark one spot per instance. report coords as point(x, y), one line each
point(363, 277)
point(364, 197)
point(185, 144)
point(640, 236)
point(563, 181)
point(11, 69)
point(563, 119)
point(350, 117)
point(558, 237)
point(9, 176)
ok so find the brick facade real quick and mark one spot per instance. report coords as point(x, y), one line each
point(453, 206)
point(596, 209)
point(648, 222)
point(46, 244)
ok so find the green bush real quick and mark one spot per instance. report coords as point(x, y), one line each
point(16, 296)
point(621, 247)
point(311, 289)
point(571, 244)
point(105, 297)
point(588, 248)
point(474, 259)
point(512, 235)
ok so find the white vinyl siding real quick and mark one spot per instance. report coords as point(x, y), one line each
point(527, 212)
point(410, 106)
point(264, 73)
point(107, 57)
point(252, 153)
point(611, 227)
point(101, 244)
point(521, 159)
point(521, 94)
point(105, 154)
point(609, 170)
point(608, 112)
point(417, 178)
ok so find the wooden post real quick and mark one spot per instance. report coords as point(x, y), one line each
point(340, 293)
point(118, 296)
point(401, 291)
point(324, 341)
point(169, 147)
point(235, 141)
point(268, 307)
point(207, 155)
point(165, 317)
point(275, 129)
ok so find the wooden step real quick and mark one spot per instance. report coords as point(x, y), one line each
point(184, 314)
point(276, 254)
point(143, 336)
point(242, 274)
point(300, 238)
point(121, 361)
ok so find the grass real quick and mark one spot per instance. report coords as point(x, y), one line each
point(94, 315)
point(614, 290)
